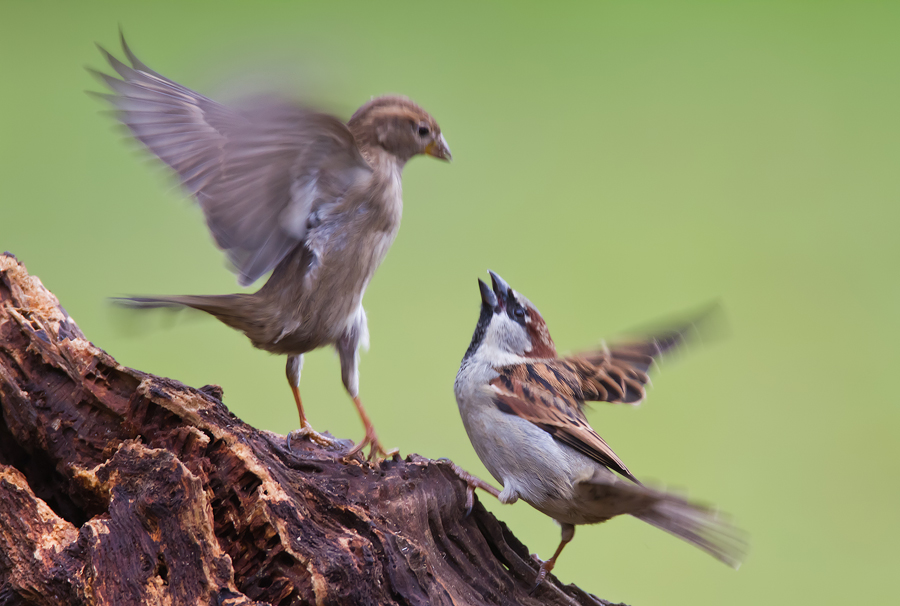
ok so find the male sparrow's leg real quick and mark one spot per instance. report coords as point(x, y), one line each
point(294, 365)
point(568, 531)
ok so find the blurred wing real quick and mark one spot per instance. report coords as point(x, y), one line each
point(619, 374)
point(558, 415)
point(257, 175)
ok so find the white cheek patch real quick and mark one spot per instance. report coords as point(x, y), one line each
point(506, 339)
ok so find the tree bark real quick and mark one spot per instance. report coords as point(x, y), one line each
point(119, 487)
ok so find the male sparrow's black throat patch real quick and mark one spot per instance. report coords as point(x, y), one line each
point(484, 321)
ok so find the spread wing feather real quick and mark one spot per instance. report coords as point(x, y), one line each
point(619, 374)
point(258, 174)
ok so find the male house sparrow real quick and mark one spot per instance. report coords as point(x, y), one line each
point(521, 406)
point(288, 189)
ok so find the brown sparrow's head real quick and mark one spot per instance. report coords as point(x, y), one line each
point(400, 127)
point(510, 328)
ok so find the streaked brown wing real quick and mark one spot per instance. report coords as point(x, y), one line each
point(558, 415)
point(612, 376)
point(257, 174)
point(554, 376)
point(619, 373)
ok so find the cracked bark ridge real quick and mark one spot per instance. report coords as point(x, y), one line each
point(119, 487)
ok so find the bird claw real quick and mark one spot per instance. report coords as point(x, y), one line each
point(388, 454)
point(545, 567)
point(377, 449)
point(371, 439)
point(314, 436)
point(472, 482)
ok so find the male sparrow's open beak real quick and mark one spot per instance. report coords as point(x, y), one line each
point(496, 299)
point(488, 298)
point(439, 149)
point(501, 288)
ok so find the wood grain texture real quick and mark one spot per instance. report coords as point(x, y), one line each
point(120, 487)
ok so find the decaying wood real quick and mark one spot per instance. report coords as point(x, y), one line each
point(119, 487)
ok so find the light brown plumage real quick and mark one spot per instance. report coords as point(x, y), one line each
point(289, 190)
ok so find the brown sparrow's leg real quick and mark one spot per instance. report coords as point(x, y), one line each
point(370, 438)
point(348, 352)
point(294, 364)
point(568, 531)
point(472, 482)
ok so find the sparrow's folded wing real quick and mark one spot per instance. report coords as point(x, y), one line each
point(555, 411)
point(257, 174)
point(619, 373)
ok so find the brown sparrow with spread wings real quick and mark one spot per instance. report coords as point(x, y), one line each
point(289, 190)
point(521, 406)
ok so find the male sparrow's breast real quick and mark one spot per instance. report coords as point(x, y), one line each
point(518, 453)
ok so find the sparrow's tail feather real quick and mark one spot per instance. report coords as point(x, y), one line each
point(229, 309)
point(699, 526)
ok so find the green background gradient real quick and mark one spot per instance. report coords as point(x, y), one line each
point(616, 163)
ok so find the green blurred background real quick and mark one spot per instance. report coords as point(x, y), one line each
point(615, 162)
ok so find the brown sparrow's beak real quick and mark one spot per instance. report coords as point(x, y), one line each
point(439, 149)
point(488, 298)
point(501, 290)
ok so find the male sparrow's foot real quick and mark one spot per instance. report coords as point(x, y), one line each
point(546, 566)
point(314, 436)
point(472, 482)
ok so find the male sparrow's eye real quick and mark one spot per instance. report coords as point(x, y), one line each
point(423, 131)
point(520, 313)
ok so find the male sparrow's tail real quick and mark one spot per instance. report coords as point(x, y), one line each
point(607, 496)
point(697, 525)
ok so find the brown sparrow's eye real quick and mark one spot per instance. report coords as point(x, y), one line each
point(423, 131)
point(520, 313)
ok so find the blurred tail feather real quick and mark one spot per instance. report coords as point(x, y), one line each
point(229, 309)
point(699, 526)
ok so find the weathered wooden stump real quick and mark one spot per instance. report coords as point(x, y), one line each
point(119, 487)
